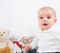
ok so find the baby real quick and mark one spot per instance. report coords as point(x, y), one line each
point(48, 39)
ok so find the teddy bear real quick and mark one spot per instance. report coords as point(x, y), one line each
point(26, 40)
point(6, 46)
point(17, 43)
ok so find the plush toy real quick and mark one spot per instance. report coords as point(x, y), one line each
point(5, 50)
point(20, 43)
point(27, 40)
point(6, 46)
point(17, 44)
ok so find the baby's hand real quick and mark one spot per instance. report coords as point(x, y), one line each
point(27, 48)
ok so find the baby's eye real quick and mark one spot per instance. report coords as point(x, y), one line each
point(41, 17)
point(48, 17)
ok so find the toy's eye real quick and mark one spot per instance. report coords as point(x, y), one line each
point(4, 32)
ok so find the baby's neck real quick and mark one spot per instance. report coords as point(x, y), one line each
point(44, 29)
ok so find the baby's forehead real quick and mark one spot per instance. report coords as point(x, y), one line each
point(47, 10)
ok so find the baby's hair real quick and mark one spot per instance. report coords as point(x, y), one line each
point(47, 8)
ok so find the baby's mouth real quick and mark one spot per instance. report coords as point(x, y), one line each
point(45, 24)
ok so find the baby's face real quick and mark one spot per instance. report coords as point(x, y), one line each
point(46, 18)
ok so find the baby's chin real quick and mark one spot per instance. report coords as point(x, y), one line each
point(45, 28)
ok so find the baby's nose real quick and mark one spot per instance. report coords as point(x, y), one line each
point(45, 19)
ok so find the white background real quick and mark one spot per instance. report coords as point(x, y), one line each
point(20, 16)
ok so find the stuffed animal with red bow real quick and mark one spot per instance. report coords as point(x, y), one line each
point(18, 46)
